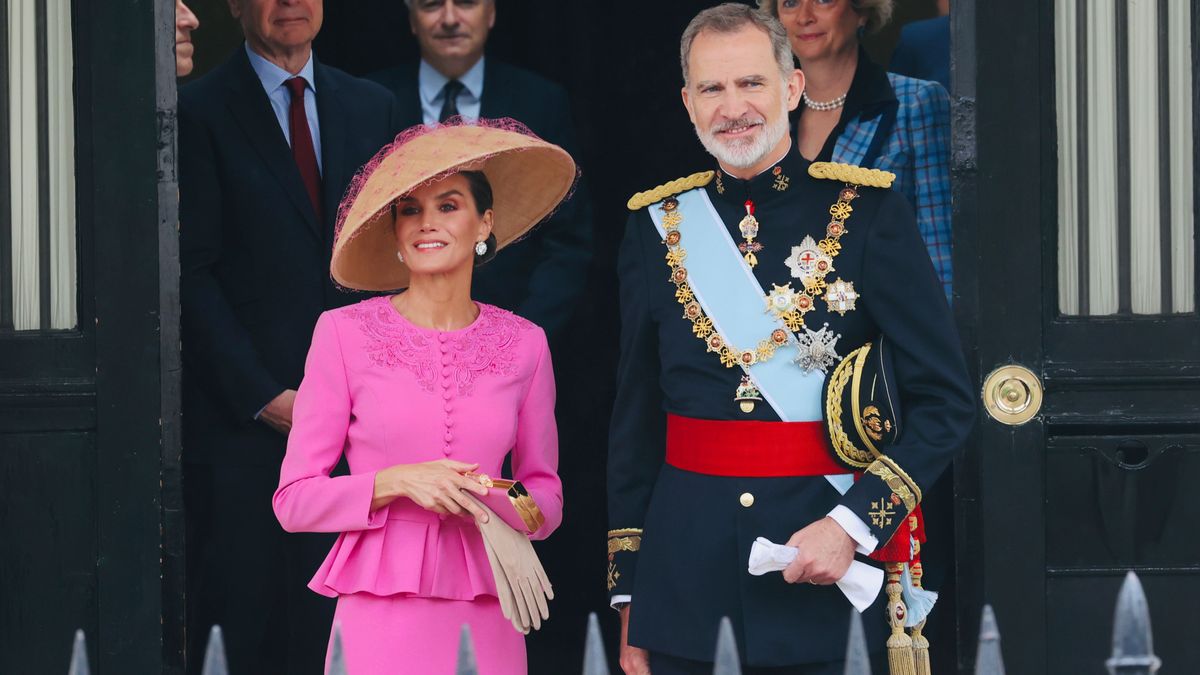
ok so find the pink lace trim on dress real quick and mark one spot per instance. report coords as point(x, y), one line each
point(487, 346)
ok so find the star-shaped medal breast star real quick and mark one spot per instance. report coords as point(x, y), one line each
point(808, 262)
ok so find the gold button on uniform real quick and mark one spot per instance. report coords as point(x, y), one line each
point(746, 499)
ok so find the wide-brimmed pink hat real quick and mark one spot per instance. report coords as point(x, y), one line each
point(529, 178)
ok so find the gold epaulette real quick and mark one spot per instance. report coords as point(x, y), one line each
point(848, 173)
point(643, 199)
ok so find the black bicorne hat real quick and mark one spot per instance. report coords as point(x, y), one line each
point(862, 405)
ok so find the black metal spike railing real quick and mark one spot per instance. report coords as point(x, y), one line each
point(466, 653)
point(214, 654)
point(1132, 641)
point(79, 658)
point(1132, 645)
point(726, 661)
point(858, 660)
point(337, 653)
point(594, 662)
point(988, 659)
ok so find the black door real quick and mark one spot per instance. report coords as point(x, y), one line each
point(90, 529)
point(1075, 149)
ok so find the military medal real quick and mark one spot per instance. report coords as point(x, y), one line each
point(817, 349)
point(811, 262)
point(747, 395)
point(749, 229)
point(841, 296)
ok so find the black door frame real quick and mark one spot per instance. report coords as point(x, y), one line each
point(129, 55)
point(108, 389)
point(1005, 178)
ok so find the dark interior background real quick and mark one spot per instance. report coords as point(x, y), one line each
point(620, 63)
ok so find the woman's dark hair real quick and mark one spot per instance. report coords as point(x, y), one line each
point(481, 189)
point(481, 192)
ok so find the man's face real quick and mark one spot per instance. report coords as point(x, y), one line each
point(452, 29)
point(279, 25)
point(185, 23)
point(736, 97)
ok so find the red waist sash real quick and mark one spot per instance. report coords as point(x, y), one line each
point(749, 448)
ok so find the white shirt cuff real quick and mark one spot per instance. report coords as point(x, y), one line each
point(619, 599)
point(856, 528)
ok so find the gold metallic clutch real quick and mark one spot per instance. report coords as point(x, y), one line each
point(512, 502)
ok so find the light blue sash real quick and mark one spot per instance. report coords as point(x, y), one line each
point(732, 297)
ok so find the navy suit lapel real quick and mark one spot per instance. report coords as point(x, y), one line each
point(333, 122)
point(252, 110)
point(494, 102)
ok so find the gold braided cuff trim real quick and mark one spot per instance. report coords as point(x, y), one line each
point(912, 484)
point(900, 488)
point(845, 449)
point(643, 199)
point(618, 544)
point(848, 173)
point(626, 532)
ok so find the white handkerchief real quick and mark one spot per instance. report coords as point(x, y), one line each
point(860, 585)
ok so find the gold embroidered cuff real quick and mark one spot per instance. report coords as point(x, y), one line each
point(618, 544)
point(624, 540)
point(902, 486)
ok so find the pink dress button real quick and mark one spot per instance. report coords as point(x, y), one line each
point(447, 407)
point(449, 422)
point(441, 337)
point(445, 384)
point(445, 359)
point(445, 372)
point(449, 437)
point(445, 348)
point(446, 394)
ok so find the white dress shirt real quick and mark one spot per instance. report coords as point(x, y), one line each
point(272, 78)
point(430, 83)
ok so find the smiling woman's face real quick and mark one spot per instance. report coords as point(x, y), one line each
point(820, 29)
point(438, 225)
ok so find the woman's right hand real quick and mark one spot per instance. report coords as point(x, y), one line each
point(436, 486)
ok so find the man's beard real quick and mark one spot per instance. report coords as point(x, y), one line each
point(743, 153)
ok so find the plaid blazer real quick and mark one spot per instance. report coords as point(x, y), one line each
point(914, 144)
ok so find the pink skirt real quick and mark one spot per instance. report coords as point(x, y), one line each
point(403, 635)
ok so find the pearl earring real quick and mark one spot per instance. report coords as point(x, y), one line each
point(480, 248)
point(400, 256)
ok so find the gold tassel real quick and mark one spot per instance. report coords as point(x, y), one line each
point(920, 642)
point(899, 644)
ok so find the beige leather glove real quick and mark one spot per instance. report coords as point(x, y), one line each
point(521, 582)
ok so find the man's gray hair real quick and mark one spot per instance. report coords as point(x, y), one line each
point(731, 17)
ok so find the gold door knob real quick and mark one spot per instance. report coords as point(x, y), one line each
point(1012, 395)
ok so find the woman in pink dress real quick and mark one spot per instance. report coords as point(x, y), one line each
point(421, 390)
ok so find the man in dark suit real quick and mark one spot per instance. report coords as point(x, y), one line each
point(923, 51)
point(542, 276)
point(268, 143)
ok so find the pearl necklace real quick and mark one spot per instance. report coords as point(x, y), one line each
point(823, 105)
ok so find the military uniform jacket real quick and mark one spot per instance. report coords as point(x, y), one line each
point(680, 541)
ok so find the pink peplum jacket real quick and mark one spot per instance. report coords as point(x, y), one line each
point(385, 392)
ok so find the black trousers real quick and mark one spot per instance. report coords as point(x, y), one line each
point(661, 664)
point(245, 574)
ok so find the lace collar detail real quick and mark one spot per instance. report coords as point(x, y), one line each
point(486, 347)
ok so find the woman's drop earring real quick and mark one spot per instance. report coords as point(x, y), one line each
point(480, 248)
point(400, 256)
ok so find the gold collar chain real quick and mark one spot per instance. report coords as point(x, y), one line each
point(785, 303)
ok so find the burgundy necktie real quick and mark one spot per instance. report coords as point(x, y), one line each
point(302, 145)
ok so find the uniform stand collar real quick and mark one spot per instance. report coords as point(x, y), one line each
point(766, 187)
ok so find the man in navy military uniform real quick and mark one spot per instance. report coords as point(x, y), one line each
point(741, 289)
